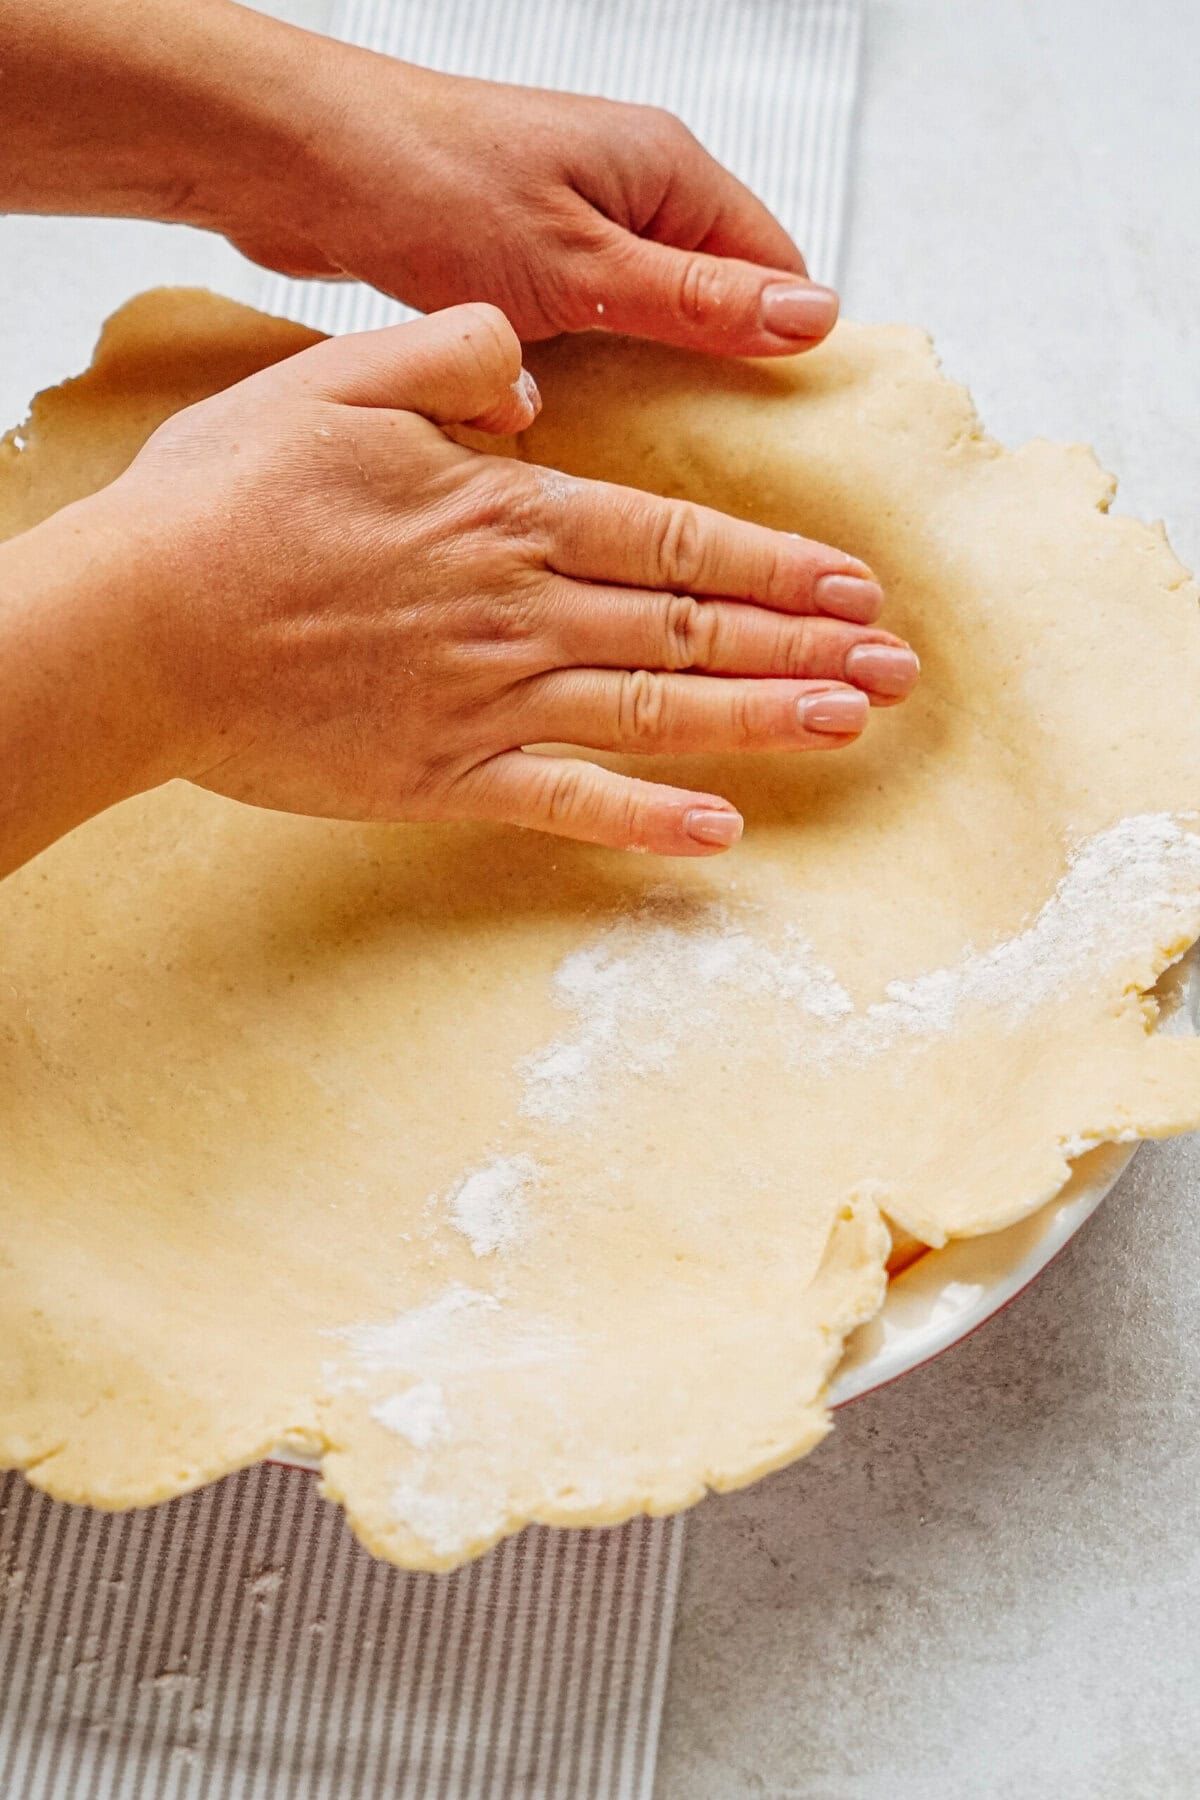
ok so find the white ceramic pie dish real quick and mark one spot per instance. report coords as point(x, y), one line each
point(944, 1295)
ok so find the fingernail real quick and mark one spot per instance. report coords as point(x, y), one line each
point(706, 826)
point(884, 668)
point(852, 597)
point(526, 389)
point(839, 713)
point(798, 309)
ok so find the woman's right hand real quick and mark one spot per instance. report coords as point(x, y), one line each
point(347, 614)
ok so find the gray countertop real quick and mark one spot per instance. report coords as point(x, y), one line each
point(987, 1582)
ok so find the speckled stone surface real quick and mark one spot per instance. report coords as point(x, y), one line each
point(986, 1583)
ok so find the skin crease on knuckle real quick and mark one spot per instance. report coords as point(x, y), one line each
point(797, 647)
point(700, 295)
point(501, 500)
point(692, 634)
point(563, 788)
point(677, 547)
point(642, 708)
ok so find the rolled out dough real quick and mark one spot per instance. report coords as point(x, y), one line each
point(523, 1180)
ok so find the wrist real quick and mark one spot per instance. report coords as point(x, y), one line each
point(252, 115)
point(85, 720)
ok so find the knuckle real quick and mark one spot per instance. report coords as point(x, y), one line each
point(742, 718)
point(563, 793)
point(691, 633)
point(778, 577)
point(700, 289)
point(502, 501)
point(679, 546)
point(798, 647)
point(641, 707)
point(487, 339)
point(632, 821)
point(663, 126)
point(520, 616)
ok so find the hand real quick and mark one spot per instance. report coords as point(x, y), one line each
point(341, 612)
point(318, 158)
point(570, 213)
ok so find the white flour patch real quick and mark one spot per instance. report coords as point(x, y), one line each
point(418, 1414)
point(648, 985)
point(488, 1206)
point(450, 1523)
point(461, 1332)
point(1126, 891)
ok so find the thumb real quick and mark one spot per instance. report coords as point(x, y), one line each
point(702, 302)
point(457, 367)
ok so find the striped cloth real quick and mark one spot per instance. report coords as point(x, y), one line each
point(237, 1644)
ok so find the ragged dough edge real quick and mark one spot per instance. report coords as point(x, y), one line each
point(134, 339)
point(1165, 1105)
point(856, 1253)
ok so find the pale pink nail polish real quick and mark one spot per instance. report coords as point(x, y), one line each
point(798, 309)
point(704, 825)
point(853, 597)
point(884, 668)
point(839, 713)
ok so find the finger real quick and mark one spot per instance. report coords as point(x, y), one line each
point(580, 800)
point(645, 712)
point(742, 226)
point(457, 366)
point(515, 409)
point(745, 228)
point(703, 302)
point(590, 626)
point(601, 532)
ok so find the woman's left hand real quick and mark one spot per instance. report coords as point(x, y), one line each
point(567, 212)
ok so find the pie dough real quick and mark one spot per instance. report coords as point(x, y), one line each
point(524, 1180)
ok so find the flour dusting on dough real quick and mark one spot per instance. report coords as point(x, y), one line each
point(446, 1520)
point(418, 1414)
point(488, 1205)
point(460, 1332)
point(1136, 884)
point(648, 985)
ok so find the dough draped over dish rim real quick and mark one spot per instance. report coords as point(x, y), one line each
point(521, 1180)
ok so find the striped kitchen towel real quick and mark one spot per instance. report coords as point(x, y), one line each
point(237, 1644)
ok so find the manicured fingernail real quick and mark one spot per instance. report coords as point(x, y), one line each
point(884, 668)
point(798, 309)
point(840, 713)
point(706, 826)
point(526, 389)
point(852, 597)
